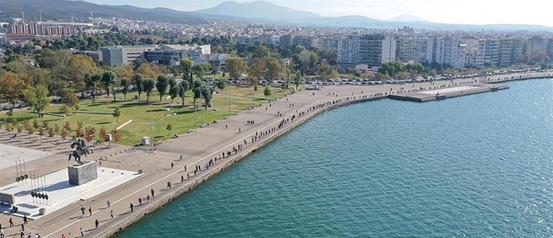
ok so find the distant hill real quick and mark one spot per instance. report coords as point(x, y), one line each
point(407, 18)
point(251, 12)
point(81, 10)
point(266, 12)
point(258, 10)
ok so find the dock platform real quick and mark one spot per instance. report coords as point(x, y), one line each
point(445, 93)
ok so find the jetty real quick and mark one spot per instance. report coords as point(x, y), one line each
point(447, 92)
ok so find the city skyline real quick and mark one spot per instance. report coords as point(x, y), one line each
point(448, 11)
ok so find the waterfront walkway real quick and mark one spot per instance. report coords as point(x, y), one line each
point(179, 164)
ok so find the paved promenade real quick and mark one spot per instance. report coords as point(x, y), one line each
point(179, 164)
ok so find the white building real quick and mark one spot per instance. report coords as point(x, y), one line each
point(372, 50)
point(117, 55)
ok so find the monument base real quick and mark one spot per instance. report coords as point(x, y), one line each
point(84, 173)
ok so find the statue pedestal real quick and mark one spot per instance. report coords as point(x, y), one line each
point(81, 174)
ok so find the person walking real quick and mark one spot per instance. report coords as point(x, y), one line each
point(25, 221)
point(11, 222)
point(108, 204)
point(111, 214)
point(96, 223)
point(152, 192)
point(90, 211)
point(82, 211)
point(132, 207)
point(2, 233)
point(82, 232)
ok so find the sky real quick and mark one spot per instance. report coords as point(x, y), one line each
point(537, 12)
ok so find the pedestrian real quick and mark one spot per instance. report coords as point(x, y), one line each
point(82, 232)
point(185, 168)
point(153, 193)
point(172, 165)
point(82, 210)
point(11, 222)
point(22, 227)
point(168, 184)
point(1, 232)
point(108, 203)
point(96, 223)
point(132, 207)
point(90, 211)
point(111, 214)
point(139, 201)
point(182, 179)
point(25, 221)
point(22, 234)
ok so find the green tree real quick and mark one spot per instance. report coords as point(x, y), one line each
point(12, 86)
point(326, 72)
point(305, 61)
point(91, 83)
point(198, 71)
point(197, 90)
point(174, 92)
point(138, 84)
point(169, 128)
point(125, 87)
point(261, 51)
point(274, 69)
point(257, 70)
point(38, 98)
point(109, 81)
point(66, 110)
point(207, 94)
point(235, 67)
point(183, 87)
point(161, 85)
point(148, 86)
point(221, 84)
point(267, 91)
point(117, 113)
point(186, 68)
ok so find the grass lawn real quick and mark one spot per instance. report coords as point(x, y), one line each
point(151, 119)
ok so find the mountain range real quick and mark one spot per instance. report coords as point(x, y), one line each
point(251, 12)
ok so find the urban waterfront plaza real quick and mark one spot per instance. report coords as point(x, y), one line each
point(128, 174)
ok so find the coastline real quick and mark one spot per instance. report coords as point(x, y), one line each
point(228, 164)
point(311, 109)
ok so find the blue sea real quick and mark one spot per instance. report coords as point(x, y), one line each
point(474, 166)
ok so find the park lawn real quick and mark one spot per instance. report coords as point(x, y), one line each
point(151, 119)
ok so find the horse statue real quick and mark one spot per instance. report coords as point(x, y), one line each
point(82, 149)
